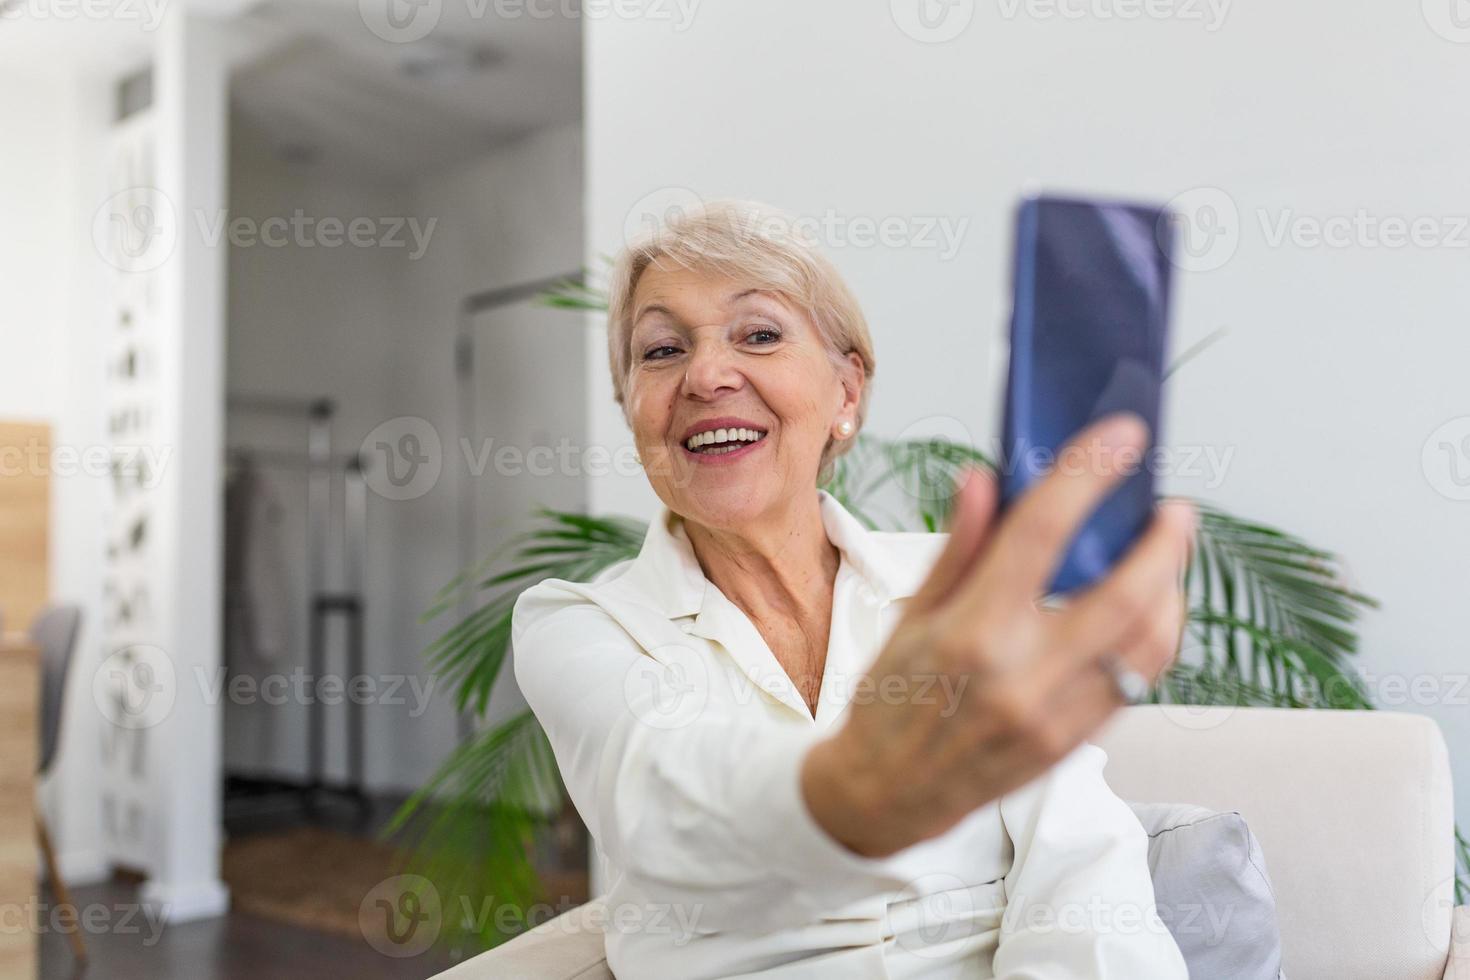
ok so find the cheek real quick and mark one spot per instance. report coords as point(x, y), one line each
point(648, 411)
point(803, 393)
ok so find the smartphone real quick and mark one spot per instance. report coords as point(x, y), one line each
point(1089, 323)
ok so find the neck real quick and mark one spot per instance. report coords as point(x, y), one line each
point(782, 563)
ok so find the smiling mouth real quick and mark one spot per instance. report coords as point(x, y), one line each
point(718, 442)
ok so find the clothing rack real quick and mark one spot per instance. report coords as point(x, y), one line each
point(322, 465)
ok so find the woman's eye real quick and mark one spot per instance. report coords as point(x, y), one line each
point(656, 353)
point(771, 335)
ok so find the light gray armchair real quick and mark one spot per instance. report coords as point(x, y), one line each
point(1353, 811)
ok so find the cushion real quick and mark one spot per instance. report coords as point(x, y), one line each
point(1212, 892)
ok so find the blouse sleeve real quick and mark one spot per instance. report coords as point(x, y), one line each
point(1079, 899)
point(702, 808)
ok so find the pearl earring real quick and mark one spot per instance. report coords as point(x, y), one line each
point(844, 428)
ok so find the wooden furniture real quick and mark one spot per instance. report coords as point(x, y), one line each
point(25, 494)
point(20, 685)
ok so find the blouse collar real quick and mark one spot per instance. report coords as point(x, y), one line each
point(668, 575)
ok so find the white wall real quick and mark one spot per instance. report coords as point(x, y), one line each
point(374, 329)
point(32, 291)
point(514, 216)
point(1339, 362)
point(51, 371)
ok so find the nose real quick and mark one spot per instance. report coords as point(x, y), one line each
point(711, 370)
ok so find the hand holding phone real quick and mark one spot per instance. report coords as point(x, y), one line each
point(1088, 335)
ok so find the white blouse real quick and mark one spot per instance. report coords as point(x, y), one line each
point(680, 737)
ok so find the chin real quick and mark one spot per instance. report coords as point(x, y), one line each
point(729, 505)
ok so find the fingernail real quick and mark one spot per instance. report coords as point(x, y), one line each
point(1124, 429)
point(1184, 507)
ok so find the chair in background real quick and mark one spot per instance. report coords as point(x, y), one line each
point(54, 633)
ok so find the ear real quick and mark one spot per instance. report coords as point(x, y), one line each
point(853, 378)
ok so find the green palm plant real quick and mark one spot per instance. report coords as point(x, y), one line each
point(1271, 622)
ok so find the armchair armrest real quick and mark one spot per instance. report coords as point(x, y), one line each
point(568, 947)
point(1458, 967)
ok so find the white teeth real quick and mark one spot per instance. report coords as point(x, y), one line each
point(715, 437)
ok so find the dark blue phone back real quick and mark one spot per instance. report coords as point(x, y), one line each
point(1088, 330)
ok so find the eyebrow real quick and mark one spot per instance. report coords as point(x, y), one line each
point(729, 300)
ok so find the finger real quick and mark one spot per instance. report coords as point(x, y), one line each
point(1100, 618)
point(1085, 700)
point(1151, 648)
point(971, 519)
point(1191, 544)
point(1086, 704)
point(1029, 540)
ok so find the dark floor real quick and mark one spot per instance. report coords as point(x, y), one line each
point(236, 946)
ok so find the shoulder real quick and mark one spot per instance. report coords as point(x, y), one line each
point(562, 603)
point(558, 632)
point(559, 622)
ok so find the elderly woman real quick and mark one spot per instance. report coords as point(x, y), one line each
point(808, 749)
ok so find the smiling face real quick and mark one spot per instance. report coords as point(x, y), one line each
point(732, 395)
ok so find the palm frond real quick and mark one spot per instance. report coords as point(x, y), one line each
point(582, 293)
point(569, 294)
point(469, 656)
point(1275, 610)
point(470, 830)
point(1197, 684)
point(919, 474)
point(1462, 869)
point(1194, 351)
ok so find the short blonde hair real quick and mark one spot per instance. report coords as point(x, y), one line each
point(753, 244)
